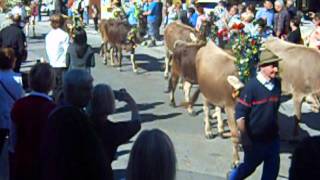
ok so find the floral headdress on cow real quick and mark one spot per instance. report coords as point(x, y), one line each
point(246, 49)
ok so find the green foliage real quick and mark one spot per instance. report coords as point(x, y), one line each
point(246, 49)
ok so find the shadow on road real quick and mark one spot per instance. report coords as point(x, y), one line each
point(286, 128)
point(148, 63)
point(141, 107)
point(149, 117)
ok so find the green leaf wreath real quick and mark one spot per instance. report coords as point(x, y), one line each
point(246, 50)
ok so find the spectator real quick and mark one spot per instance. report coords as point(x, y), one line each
point(10, 91)
point(95, 16)
point(30, 122)
point(71, 148)
point(258, 122)
point(305, 163)
point(80, 55)
point(249, 28)
point(314, 38)
point(173, 12)
point(233, 16)
point(112, 134)
point(263, 30)
point(295, 36)
point(152, 20)
point(57, 42)
point(132, 13)
point(201, 17)
point(266, 13)
point(281, 20)
point(152, 157)
point(292, 10)
point(192, 16)
point(251, 10)
point(13, 37)
point(241, 9)
point(20, 10)
point(86, 12)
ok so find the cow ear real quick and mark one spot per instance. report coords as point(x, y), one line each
point(193, 37)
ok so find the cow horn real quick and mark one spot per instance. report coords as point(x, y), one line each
point(193, 37)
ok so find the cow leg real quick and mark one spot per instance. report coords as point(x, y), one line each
point(217, 114)
point(167, 61)
point(173, 81)
point(187, 88)
point(112, 49)
point(119, 57)
point(234, 139)
point(105, 52)
point(314, 101)
point(297, 101)
point(133, 61)
point(207, 126)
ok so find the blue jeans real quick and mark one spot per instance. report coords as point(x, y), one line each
point(86, 17)
point(268, 153)
point(153, 29)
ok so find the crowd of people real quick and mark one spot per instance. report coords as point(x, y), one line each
point(69, 135)
point(73, 137)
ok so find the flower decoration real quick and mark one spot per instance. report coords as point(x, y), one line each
point(246, 50)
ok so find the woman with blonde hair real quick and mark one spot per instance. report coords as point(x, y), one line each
point(112, 134)
point(152, 157)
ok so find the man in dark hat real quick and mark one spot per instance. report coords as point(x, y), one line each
point(13, 37)
point(256, 114)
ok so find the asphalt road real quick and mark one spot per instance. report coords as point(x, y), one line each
point(198, 158)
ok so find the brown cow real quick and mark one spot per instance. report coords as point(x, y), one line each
point(213, 66)
point(120, 35)
point(184, 66)
point(299, 71)
point(178, 31)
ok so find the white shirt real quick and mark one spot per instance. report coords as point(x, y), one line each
point(266, 83)
point(57, 42)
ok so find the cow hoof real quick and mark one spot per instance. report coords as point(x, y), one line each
point(173, 104)
point(105, 63)
point(192, 114)
point(166, 77)
point(210, 135)
point(166, 91)
point(221, 135)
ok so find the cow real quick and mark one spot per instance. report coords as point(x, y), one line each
point(120, 35)
point(184, 66)
point(213, 67)
point(299, 72)
point(178, 31)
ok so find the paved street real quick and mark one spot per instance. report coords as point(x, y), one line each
point(198, 158)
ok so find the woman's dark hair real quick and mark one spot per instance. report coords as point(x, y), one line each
point(252, 8)
point(7, 58)
point(295, 21)
point(191, 10)
point(80, 40)
point(261, 22)
point(152, 157)
point(305, 163)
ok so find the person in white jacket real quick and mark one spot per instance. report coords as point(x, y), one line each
point(57, 42)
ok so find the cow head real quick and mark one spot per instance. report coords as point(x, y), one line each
point(141, 27)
